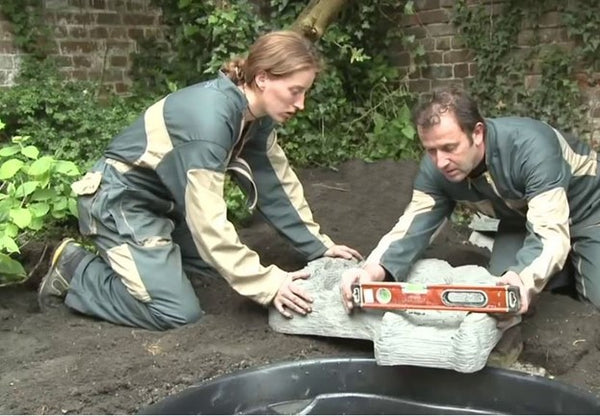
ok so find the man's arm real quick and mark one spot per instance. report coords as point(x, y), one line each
point(403, 245)
point(545, 177)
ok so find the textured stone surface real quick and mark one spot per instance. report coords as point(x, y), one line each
point(328, 318)
point(455, 340)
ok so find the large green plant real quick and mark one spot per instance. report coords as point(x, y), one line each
point(355, 108)
point(66, 118)
point(35, 194)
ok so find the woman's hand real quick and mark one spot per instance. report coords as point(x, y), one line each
point(343, 252)
point(291, 296)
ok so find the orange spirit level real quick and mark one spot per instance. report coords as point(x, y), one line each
point(473, 298)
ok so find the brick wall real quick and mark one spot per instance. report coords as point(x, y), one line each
point(92, 38)
point(450, 63)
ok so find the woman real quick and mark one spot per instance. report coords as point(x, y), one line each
point(154, 203)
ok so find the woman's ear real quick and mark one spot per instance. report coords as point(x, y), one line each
point(261, 79)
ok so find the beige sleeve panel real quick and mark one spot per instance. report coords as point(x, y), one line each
point(549, 215)
point(420, 203)
point(218, 243)
point(293, 189)
point(158, 141)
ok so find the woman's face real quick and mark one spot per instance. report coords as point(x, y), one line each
point(282, 97)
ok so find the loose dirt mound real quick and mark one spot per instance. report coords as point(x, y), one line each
point(65, 363)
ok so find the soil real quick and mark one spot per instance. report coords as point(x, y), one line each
point(61, 362)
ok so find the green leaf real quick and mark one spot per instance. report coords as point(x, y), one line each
point(43, 194)
point(39, 209)
point(41, 166)
point(73, 207)
point(26, 188)
point(10, 168)
point(11, 230)
point(8, 244)
point(20, 216)
point(66, 168)
point(37, 223)
point(9, 150)
point(31, 152)
point(11, 269)
point(59, 205)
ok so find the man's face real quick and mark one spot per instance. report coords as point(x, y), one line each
point(450, 148)
point(283, 97)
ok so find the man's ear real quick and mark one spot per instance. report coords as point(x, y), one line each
point(478, 133)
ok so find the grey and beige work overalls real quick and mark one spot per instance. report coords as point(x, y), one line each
point(154, 206)
point(543, 186)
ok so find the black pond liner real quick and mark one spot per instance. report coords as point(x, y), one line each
point(360, 386)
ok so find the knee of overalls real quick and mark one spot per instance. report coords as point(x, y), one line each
point(176, 316)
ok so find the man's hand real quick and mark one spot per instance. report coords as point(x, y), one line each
point(291, 296)
point(343, 252)
point(368, 273)
point(512, 278)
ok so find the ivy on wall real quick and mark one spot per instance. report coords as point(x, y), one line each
point(503, 68)
point(31, 34)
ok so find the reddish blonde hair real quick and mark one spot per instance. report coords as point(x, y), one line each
point(278, 53)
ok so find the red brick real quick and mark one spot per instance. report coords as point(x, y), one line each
point(553, 35)
point(419, 85)
point(417, 31)
point(113, 75)
point(7, 47)
point(438, 71)
point(461, 70)
point(120, 47)
point(99, 32)
point(458, 56)
point(526, 37)
point(80, 61)
point(442, 44)
point(550, 19)
point(60, 31)
point(401, 59)
point(135, 33)
point(77, 47)
point(446, 83)
point(427, 4)
point(77, 32)
point(98, 4)
point(457, 42)
point(441, 29)
point(409, 20)
point(119, 61)
point(74, 18)
point(138, 19)
point(64, 60)
point(434, 58)
point(434, 16)
point(472, 69)
point(109, 19)
point(121, 87)
point(117, 33)
point(80, 74)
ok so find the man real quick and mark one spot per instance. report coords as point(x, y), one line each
point(542, 185)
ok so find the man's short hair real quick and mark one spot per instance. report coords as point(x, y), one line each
point(443, 100)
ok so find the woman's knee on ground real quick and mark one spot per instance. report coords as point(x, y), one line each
point(174, 315)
